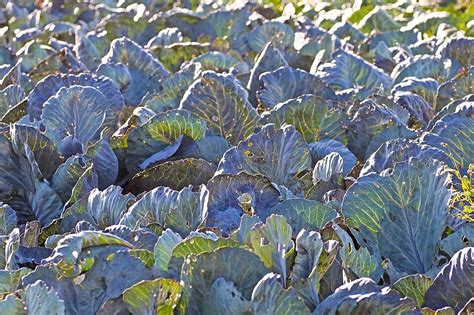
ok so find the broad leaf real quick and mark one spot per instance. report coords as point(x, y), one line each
point(278, 154)
point(271, 241)
point(230, 196)
point(270, 297)
point(159, 296)
point(314, 117)
point(269, 59)
point(453, 135)
point(222, 102)
point(239, 266)
point(280, 34)
point(456, 88)
point(142, 71)
point(364, 295)
point(404, 212)
point(425, 66)
point(73, 116)
point(347, 71)
point(173, 89)
point(40, 299)
point(453, 285)
point(400, 150)
point(51, 85)
point(161, 133)
point(66, 253)
point(286, 83)
point(173, 174)
point(413, 286)
point(8, 219)
point(302, 214)
point(183, 210)
point(321, 149)
point(460, 49)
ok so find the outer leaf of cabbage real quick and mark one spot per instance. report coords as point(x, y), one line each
point(91, 47)
point(225, 297)
point(453, 135)
point(324, 147)
point(8, 219)
point(44, 150)
point(166, 37)
point(173, 91)
point(430, 22)
point(425, 66)
point(358, 261)
point(460, 49)
point(302, 214)
point(456, 88)
point(390, 133)
point(269, 59)
point(363, 295)
point(404, 213)
point(347, 70)
point(400, 150)
point(239, 266)
point(21, 184)
point(280, 34)
point(426, 88)
point(66, 253)
point(419, 109)
point(173, 56)
point(76, 300)
point(41, 299)
point(106, 277)
point(106, 207)
point(270, 297)
point(183, 211)
point(212, 148)
point(130, 24)
point(287, 83)
point(197, 243)
point(105, 162)
point(452, 107)
point(369, 120)
point(230, 194)
point(173, 174)
point(278, 154)
point(306, 271)
point(380, 20)
point(312, 116)
point(458, 239)
point(222, 102)
point(159, 296)
point(9, 97)
point(163, 250)
point(413, 286)
point(453, 284)
point(393, 38)
point(75, 111)
point(220, 62)
point(159, 133)
point(68, 173)
point(271, 241)
point(145, 71)
point(50, 85)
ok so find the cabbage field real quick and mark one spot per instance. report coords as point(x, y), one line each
point(236, 157)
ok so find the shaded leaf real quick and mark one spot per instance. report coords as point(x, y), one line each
point(286, 83)
point(278, 154)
